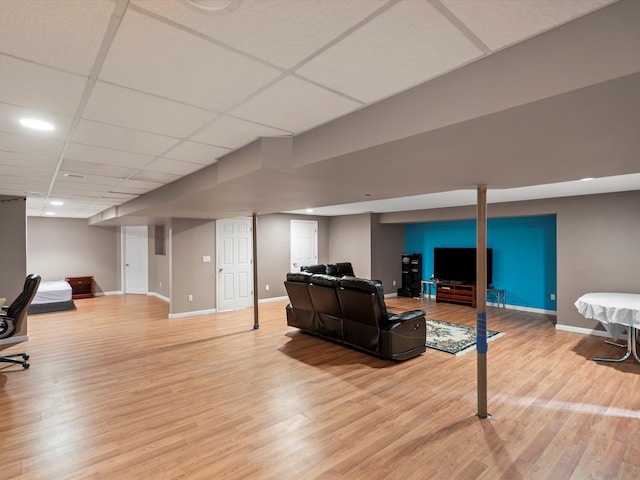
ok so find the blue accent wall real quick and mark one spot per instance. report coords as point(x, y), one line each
point(524, 253)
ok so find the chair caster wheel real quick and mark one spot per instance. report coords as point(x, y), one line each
point(25, 365)
point(25, 357)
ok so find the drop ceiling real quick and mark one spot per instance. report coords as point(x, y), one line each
point(143, 93)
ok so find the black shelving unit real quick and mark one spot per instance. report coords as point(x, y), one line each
point(411, 275)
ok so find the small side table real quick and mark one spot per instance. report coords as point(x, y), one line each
point(426, 284)
point(500, 295)
point(81, 287)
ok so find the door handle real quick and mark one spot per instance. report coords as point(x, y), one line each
point(220, 270)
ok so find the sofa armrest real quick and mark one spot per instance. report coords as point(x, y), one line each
point(406, 316)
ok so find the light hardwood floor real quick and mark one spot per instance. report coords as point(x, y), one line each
point(116, 390)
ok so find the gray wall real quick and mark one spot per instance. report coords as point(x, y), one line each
point(13, 255)
point(62, 247)
point(598, 238)
point(190, 241)
point(350, 241)
point(387, 247)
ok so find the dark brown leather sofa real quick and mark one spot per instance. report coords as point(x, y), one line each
point(351, 311)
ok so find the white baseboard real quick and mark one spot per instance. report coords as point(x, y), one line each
point(273, 299)
point(525, 309)
point(390, 295)
point(102, 294)
point(157, 295)
point(192, 314)
point(586, 331)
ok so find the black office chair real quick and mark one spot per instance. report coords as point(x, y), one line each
point(12, 317)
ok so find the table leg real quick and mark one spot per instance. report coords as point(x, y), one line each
point(631, 349)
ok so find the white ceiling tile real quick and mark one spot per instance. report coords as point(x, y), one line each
point(25, 171)
point(157, 177)
point(152, 56)
point(66, 33)
point(89, 153)
point(71, 179)
point(499, 23)
point(30, 144)
point(89, 191)
point(295, 105)
point(167, 165)
point(127, 108)
point(31, 161)
point(23, 186)
point(10, 116)
point(35, 185)
point(196, 153)
point(140, 185)
point(101, 169)
point(115, 197)
point(283, 32)
point(233, 132)
point(368, 66)
point(40, 88)
point(37, 202)
point(119, 138)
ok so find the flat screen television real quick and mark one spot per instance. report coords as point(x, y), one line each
point(459, 264)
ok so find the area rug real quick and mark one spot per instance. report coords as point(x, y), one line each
point(454, 338)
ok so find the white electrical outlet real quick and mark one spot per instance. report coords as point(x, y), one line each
point(553, 296)
point(394, 283)
point(267, 287)
point(190, 298)
point(160, 284)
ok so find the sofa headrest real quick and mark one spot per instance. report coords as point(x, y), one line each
point(325, 280)
point(345, 268)
point(303, 277)
point(331, 269)
point(336, 269)
point(321, 268)
point(371, 286)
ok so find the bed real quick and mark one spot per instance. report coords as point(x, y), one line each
point(52, 296)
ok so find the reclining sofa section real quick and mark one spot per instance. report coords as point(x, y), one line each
point(352, 311)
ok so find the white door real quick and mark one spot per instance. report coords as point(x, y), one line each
point(234, 252)
point(304, 243)
point(135, 244)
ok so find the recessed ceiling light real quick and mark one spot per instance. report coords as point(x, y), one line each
point(36, 124)
point(587, 179)
point(214, 5)
point(309, 210)
point(51, 213)
point(73, 175)
point(56, 202)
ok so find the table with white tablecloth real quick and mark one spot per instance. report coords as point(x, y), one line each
point(618, 312)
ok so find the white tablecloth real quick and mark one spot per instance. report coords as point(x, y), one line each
point(616, 311)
